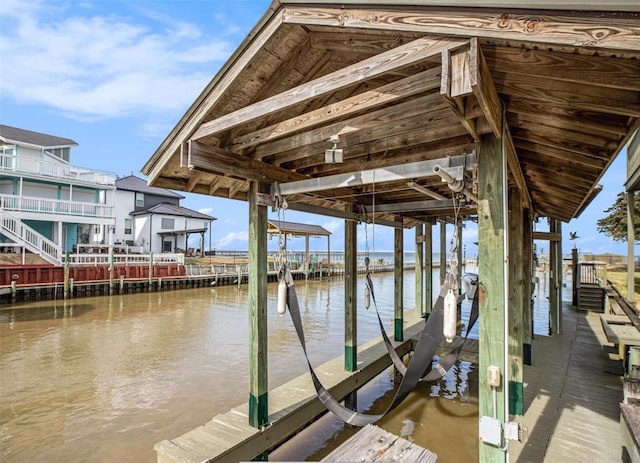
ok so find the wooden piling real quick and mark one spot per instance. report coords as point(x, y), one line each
point(443, 250)
point(350, 305)
point(258, 365)
point(428, 267)
point(516, 303)
point(527, 292)
point(419, 269)
point(398, 277)
point(491, 256)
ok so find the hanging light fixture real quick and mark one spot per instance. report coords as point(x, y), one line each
point(334, 154)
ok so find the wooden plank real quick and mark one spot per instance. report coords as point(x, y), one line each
point(569, 31)
point(257, 302)
point(374, 444)
point(621, 334)
point(384, 95)
point(514, 167)
point(404, 55)
point(491, 258)
point(546, 236)
point(568, 67)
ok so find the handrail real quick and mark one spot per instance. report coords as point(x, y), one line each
point(55, 206)
point(25, 165)
point(34, 241)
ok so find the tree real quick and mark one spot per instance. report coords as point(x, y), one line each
point(615, 224)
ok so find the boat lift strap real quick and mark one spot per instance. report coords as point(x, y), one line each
point(429, 341)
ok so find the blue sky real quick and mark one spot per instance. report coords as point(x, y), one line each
point(116, 75)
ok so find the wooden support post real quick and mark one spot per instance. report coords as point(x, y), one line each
point(428, 267)
point(350, 305)
point(516, 303)
point(443, 251)
point(307, 259)
point(491, 263)
point(111, 257)
point(419, 269)
point(553, 297)
point(398, 277)
point(351, 297)
point(555, 279)
point(258, 365)
point(66, 276)
point(527, 293)
point(631, 239)
point(460, 261)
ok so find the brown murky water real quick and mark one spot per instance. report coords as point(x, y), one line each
point(103, 379)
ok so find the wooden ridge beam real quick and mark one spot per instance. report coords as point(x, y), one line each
point(384, 95)
point(404, 55)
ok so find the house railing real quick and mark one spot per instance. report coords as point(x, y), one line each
point(21, 233)
point(124, 259)
point(591, 273)
point(55, 206)
point(24, 165)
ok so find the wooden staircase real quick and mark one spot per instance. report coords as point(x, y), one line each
point(591, 296)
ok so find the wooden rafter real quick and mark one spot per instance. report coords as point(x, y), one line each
point(405, 55)
point(384, 95)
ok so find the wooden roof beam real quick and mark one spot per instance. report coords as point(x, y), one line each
point(515, 168)
point(454, 165)
point(467, 86)
point(384, 95)
point(220, 162)
point(404, 55)
point(550, 30)
point(194, 180)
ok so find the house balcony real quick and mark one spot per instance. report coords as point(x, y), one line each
point(55, 206)
point(17, 165)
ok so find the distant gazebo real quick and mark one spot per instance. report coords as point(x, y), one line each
point(294, 229)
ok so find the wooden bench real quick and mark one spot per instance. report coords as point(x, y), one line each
point(619, 330)
point(629, 429)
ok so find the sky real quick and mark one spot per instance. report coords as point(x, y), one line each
point(116, 75)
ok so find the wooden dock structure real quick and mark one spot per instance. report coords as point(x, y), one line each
point(437, 112)
point(377, 445)
point(229, 438)
point(572, 396)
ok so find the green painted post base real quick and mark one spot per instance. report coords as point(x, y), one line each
point(516, 398)
point(351, 401)
point(398, 334)
point(527, 354)
point(262, 457)
point(350, 358)
point(258, 410)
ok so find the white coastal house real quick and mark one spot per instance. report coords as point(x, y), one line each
point(51, 208)
point(152, 219)
point(48, 206)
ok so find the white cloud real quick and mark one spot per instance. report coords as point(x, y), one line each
point(90, 67)
point(206, 210)
point(333, 225)
point(241, 237)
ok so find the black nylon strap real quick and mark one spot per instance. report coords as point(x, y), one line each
point(421, 360)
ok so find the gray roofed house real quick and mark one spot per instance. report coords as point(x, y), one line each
point(10, 134)
point(153, 218)
point(133, 183)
